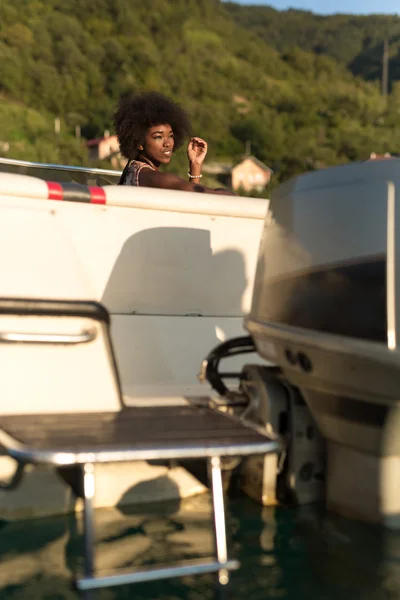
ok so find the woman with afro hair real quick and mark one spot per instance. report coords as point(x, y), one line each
point(149, 128)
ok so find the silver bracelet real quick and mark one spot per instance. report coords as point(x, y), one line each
point(194, 176)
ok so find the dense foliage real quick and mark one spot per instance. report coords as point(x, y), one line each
point(244, 73)
point(354, 41)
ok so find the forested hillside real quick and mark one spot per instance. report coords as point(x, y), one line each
point(354, 41)
point(300, 110)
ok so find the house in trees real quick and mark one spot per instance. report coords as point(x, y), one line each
point(375, 156)
point(247, 175)
point(105, 148)
point(250, 174)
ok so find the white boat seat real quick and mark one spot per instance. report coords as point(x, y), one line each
point(79, 439)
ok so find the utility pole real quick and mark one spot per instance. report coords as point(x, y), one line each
point(248, 148)
point(385, 69)
point(57, 125)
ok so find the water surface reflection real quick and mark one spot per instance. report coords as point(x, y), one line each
point(293, 554)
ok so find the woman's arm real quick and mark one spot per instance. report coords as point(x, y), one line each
point(196, 153)
point(169, 181)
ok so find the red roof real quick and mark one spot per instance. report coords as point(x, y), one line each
point(94, 142)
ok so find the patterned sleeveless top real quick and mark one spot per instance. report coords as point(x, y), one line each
point(133, 170)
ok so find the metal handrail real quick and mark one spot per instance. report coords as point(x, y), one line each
point(87, 170)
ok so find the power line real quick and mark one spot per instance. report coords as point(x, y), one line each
point(385, 69)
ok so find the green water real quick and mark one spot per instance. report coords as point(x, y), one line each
point(285, 553)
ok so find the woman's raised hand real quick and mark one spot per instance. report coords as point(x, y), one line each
point(196, 151)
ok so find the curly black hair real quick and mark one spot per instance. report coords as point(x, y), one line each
point(135, 114)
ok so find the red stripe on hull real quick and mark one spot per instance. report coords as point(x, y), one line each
point(97, 195)
point(55, 191)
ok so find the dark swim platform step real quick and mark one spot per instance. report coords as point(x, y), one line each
point(130, 434)
point(137, 433)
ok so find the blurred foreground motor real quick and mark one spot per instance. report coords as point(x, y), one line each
point(326, 314)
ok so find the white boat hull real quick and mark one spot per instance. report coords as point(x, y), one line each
point(175, 271)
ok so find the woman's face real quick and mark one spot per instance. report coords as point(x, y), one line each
point(159, 143)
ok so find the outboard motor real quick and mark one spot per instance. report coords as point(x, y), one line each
point(265, 398)
point(326, 314)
